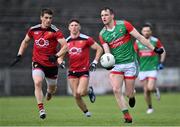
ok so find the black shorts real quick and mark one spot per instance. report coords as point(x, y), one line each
point(50, 72)
point(73, 74)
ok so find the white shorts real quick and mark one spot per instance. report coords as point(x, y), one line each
point(147, 74)
point(129, 70)
point(39, 72)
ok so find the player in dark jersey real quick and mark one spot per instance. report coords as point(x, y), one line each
point(44, 59)
point(116, 38)
point(79, 64)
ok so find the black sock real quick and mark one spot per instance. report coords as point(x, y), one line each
point(150, 106)
point(85, 111)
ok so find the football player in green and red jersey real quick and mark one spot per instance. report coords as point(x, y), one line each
point(116, 38)
point(149, 64)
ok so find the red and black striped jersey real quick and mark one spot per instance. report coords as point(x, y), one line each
point(45, 43)
point(79, 52)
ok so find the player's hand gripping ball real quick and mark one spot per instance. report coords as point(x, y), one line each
point(107, 60)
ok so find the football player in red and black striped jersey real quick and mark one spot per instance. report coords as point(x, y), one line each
point(79, 46)
point(44, 59)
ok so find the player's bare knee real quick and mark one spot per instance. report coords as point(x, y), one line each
point(130, 94)
point(38, 84)
point(52, 88)
point(146, 91)
point(150, 88)
point(111, 76)
point(116, 90)
point(83, 93)
point(77, 96)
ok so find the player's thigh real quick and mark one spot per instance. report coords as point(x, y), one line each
point(144, 84)
point(151, 83)
point(116, 81)
point(38, 76)
point(83, 85)
point(142, 76)
point(51, 81)
point(129, 85)
point(152, 76)
point(131, 70)
point(74, 82)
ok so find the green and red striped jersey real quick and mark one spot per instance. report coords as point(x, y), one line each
point(148, 58)
point(120, 41)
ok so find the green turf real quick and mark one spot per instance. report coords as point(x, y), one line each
point(62, 111)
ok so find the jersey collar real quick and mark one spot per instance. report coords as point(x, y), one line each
point(112, 28)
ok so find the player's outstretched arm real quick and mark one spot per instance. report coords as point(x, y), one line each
point(23, 46)
point(146, 42)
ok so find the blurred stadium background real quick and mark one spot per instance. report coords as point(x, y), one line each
point(18, 15)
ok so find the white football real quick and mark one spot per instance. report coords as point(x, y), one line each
point(107, 60)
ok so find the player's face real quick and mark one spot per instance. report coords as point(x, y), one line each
point(74, 27)
point(46, 20)
point(106, 17)
point(146, 32)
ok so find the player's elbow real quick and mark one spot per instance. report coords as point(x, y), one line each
point(164, 51)
point(65, 47)
point(100, 50)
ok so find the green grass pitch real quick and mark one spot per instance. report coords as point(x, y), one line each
point(62, 111)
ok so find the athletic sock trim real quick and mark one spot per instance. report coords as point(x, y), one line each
point(41, 106)
point(125, 111)
point(150, 106)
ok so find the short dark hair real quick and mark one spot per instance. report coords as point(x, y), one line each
point(108, 8)
point(147, 24)
point(74, 20)
point(46, 11)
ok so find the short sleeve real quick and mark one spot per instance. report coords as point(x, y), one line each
point(128, 26)
point(101, 40)
point(30, 33)
point(135, 46)
point(59, 35)
point(91, 41)
point(159, 44)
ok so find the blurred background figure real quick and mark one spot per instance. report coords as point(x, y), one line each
point(150, 63)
